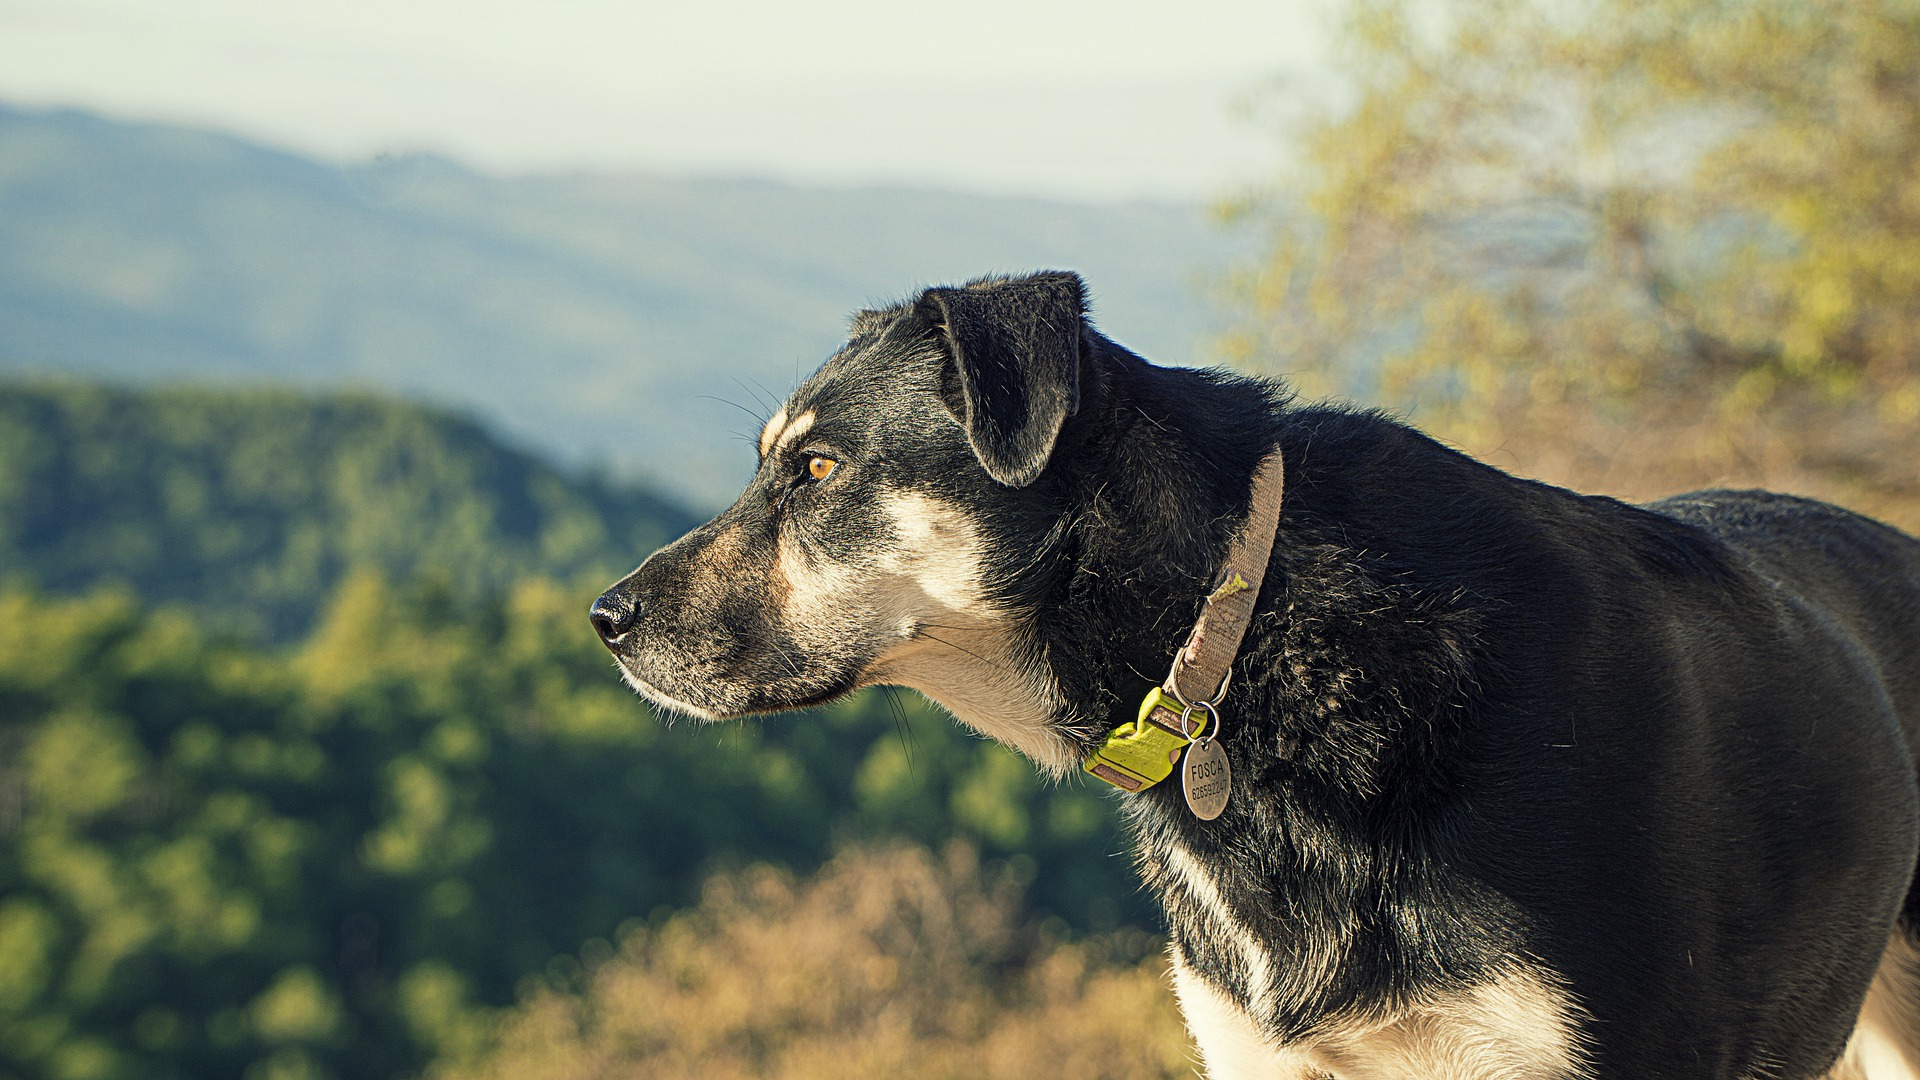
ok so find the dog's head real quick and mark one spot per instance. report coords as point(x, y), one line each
point(898, 531)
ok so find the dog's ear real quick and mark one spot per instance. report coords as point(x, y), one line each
point(870, 322)
point(1016, 345)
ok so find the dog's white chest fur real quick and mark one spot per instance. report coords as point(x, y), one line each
point(1511, 1028)
point(1517, 1025)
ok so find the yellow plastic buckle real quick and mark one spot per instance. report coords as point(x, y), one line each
point(1138, 755)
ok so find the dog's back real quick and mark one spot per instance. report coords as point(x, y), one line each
point(1857, 576)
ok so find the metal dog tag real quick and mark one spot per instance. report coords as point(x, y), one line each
point(1206, 778)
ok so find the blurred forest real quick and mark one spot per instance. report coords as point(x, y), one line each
point(334, 782)
point(222, 855)
point(251, 506)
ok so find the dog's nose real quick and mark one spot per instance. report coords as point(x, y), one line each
point(614, 614)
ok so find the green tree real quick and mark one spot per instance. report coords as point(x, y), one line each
point(1604, 224)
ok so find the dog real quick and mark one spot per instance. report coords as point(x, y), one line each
point(1524, 783)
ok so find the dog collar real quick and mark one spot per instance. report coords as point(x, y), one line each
point(1183, 711)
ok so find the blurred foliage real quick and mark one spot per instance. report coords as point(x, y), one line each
point(256, 504)
point(1630, 243)
point(892, 962)
point(219, 860)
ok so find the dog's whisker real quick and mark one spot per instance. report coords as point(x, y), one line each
point(759, 389)
point(758, 418)
point(794, 669)
point(960, 648)
point(900, 725)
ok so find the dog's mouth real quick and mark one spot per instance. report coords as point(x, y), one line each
point(721, 699)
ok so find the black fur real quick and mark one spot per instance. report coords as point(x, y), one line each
point(1015, 375)
point(1664, 752)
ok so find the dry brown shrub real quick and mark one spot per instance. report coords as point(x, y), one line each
point(890, 962)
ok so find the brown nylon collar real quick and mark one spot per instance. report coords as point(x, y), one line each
point(1178, 723)
point(1201, 669)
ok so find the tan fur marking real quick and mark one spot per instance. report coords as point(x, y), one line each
point(813, 594)
point(984, 686)
point(800, 425)
point(1518, 1026)
point(768, 434)
point(957, 648)
point(780, 432)
point(1885, 1044)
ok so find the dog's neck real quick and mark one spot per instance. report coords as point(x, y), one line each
point(1158, 473)
point(1347, 674)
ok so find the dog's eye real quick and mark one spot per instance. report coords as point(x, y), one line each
point(821, 467)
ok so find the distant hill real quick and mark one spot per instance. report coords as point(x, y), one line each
point(604, 319)
point(252, 505)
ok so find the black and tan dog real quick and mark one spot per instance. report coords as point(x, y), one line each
point(1524, 783)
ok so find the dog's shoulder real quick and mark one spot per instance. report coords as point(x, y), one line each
point(1427, 512)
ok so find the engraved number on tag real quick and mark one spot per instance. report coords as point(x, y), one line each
point(1206, 778)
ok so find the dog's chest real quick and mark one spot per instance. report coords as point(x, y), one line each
point(1515, 1027)
point(1234, 984)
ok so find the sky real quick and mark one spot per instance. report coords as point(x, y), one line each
point(1096, 101)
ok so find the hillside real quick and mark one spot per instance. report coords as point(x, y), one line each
point(254, 504)
point(616, 320)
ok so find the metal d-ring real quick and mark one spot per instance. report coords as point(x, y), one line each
point(1213, 718)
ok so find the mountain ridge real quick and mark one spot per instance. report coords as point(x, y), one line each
point(600, 318)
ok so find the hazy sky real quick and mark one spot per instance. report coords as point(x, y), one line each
point(1096, 100)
